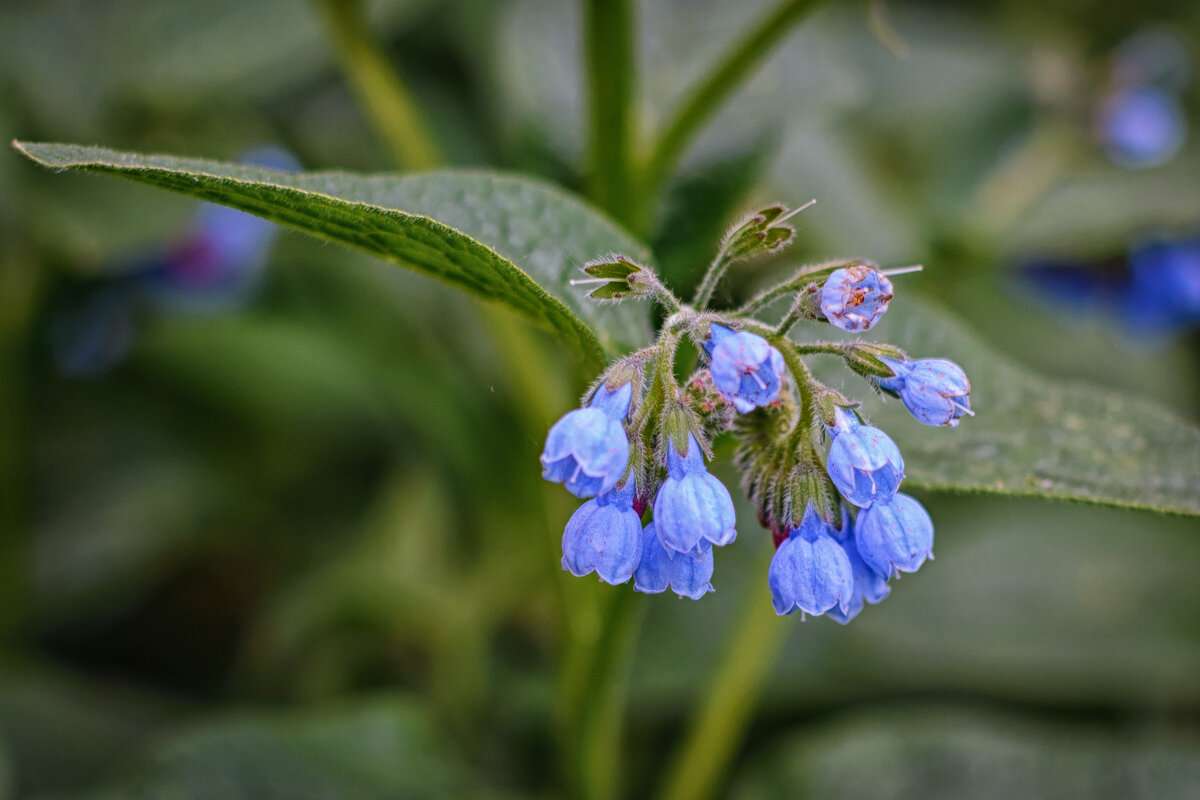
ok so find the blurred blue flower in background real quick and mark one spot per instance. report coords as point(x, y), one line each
point(216, 266)
point(1142, 127)
point(1163, 291)
point(1154, 291)
point(1141, 121)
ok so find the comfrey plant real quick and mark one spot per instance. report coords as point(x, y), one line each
point(824, 483)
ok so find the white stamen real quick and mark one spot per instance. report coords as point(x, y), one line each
point(962, 408)
point(795, 211)
point(903, 270)
point(582, 281)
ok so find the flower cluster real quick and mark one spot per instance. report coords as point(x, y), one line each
point(823, 482)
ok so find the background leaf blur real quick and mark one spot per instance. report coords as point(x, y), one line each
point(302, 545)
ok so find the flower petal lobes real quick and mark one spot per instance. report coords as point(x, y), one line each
point(865, 465)
point(587, 450)
point(810, 571)
point(745, 368)
point(692, 505)
point(869, 585)
point(604, 536)
point(686, 574)
point(894, 536)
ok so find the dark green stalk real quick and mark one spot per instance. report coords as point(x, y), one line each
point(718, 729)
point(381, 93)
point(707, 97)
point(611, 74)
point(598, 703)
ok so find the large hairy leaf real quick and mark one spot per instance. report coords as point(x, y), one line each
point(508, 239)
point(1036, 436)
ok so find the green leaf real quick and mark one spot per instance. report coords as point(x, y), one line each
point(384, 747)
point(1032, 435)
point(1038, 601)
point(508, 239)
point(938, 753)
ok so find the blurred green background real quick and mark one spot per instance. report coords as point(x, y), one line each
point(299, 546)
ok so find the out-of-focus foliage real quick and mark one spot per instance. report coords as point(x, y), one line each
point(303, 546)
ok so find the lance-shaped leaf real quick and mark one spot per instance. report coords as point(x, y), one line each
point(508, 239)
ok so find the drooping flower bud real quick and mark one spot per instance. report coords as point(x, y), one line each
point(810, 572)
point(894, 536)
point(604, 536)
point(687, 574)
point(869, 585)
point(934, 390)
point(692, 505)
point(864, 463)
point(587, 449)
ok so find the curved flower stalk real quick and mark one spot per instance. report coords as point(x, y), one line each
point(840, 526)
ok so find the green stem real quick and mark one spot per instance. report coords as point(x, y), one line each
point(821, 348)
point(803, 277)
point(596, 698)
point(790, 319)
point(711, 278)
point(719, 728)
point(611, 71)
point(380, 92)
point(710, 94)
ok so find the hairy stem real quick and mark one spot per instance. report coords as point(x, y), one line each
point(707, 97)
point(380, 91)
point(611, 74)
point(802, 277)
point(716, 271)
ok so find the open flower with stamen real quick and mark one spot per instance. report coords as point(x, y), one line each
point(854, 298)
point(934, 390)
point(745, 368)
